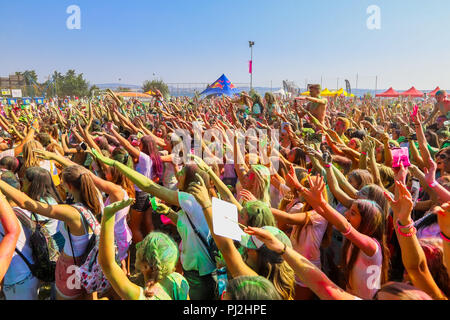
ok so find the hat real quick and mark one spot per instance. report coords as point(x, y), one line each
point(251, 242)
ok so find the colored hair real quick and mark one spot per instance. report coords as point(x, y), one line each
point(252, 288)
point(149, 148)
point(261, 182)
point(259, 214)
point(161, 253)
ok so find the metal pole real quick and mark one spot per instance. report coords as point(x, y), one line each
point(321, 82)
point(376, 84)
point(356, 81)
point(337, 84)
point(251, 73)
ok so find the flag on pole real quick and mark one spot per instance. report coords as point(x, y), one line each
point(250, 65)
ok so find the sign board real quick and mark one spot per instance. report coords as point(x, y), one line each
point(6, 92)
point(16, 93)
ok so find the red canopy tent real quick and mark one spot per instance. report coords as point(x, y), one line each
point(390, 93)
point(413, 92)
point(433, 93)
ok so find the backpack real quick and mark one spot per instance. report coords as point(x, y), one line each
point(43, 247)
point(90, 273)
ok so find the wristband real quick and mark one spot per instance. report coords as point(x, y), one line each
point(364, 153)
point(408, 235)
point(349, 230)
point(433, 184)
point(404, 227)
point(444, 237)
point(209, 206)
point(284, 250)
point(328, 165)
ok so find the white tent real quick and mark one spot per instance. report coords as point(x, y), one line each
point(280, 92)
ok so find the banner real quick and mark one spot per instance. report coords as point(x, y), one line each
point(16, 93)
point(12, 102)
point(39, 100)
point(348, 87)
point(6, 92)
point(250, 65)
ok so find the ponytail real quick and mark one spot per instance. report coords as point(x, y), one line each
point(77, 177)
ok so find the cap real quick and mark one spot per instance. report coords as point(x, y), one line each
point(251, 242)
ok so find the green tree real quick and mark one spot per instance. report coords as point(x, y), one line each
point(123, 89)
point(156, 85)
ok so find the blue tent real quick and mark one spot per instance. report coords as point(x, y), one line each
point(221, 86)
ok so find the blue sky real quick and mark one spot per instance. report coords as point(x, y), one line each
point(198, 40)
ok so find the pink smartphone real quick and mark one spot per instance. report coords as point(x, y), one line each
point(415, 110)
point(400, 155)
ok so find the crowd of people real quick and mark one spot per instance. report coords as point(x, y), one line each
point(102, 198)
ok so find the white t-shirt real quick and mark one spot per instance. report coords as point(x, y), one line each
point(365, 278)
point(144, 167)
point(18, 269)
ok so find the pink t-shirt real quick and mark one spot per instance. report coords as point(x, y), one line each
point(365, 278)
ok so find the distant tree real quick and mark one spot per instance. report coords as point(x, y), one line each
point(70, 84)
point(123, 89)
point(93, 89)
point(156, 85)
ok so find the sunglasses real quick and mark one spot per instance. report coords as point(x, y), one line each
point(442, 156)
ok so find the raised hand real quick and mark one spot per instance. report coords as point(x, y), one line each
point(443, 214)
point(247, 196)
point(113, 208)
point(291, 179)
point(266, 237)
point(403, 204)
point(43, 154)
point(314, 195)
point(102, 158)
point(430, 172)
point(199, 191)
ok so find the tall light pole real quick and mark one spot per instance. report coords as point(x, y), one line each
point(251, 44)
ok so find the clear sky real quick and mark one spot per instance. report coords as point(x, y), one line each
point(198, 40)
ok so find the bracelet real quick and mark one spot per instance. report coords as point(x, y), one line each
point(408, 235)
point(433, 184)
point(349, 230)
point(328, 165)
point(364, 153)
point(284, 250)
point(209, 206)
point(399, 226)
point(444, 237)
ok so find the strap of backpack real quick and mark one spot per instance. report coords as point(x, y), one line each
point(88, 218)
point(199, 235)
point(29, 265)
point(71, 246)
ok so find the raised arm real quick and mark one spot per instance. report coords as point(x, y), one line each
point(106, 254)
point(308, 273)
point(142, 181)
point(314, 196)
point(413, 256)
point(11, 234)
